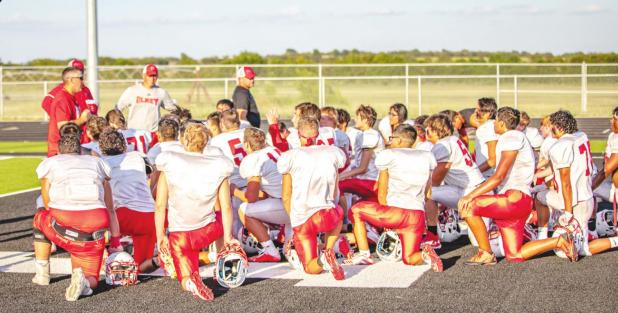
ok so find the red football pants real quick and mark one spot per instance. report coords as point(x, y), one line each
point(509, 211)
point(364, 188)
point(86, 255)
point(185, 247)
point(409, 224)
point(141, 227)
point(305, 235)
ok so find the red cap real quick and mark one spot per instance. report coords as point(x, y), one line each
point(245, 71)
point(76, 64)
point(151, 70)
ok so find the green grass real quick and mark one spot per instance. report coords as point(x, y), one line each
point(23, 147)
point(18, 174)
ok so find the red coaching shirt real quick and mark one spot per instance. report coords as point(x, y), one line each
point(84, 100)
point(63, 107)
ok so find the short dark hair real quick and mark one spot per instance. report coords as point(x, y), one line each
point(440, 124)
point(70, 128)
point(450, 113)
point(66, 73)
point(420, 120)
point(401, 110)
point(509, 116)
point(95, 126)
point(308, 109)
point(183, 114)
point(564, 121)
point(169, 128)
point(343, 117)
point(69, 144)
point(226, 102)
point(116, 117)
point(615, 112)
point(230, 118)
point(367, 113)
point(405, 132)
point(112, 142)
point(488, 105)
point(255, 138)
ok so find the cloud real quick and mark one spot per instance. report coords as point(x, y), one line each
point(496, 10)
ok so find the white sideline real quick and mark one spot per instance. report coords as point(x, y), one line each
point(19, 192)
point(379, 275)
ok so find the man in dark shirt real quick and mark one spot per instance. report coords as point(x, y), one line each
point(242, 98)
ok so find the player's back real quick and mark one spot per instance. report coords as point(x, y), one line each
point(263, 163)
point(463, 172)
point(521, 173)
point(231, 144)
point(584, 167)
point(137, 140)
point(129, 182)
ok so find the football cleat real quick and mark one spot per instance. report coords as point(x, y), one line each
point(332, 265)
point(292, 256)
point(431, 257)
point(482, 258)
point(360, 259)
point(432, 240)
point(79, 286)
point(342, 247)
point(41, 276)
point(196, 286)
point(265, 257)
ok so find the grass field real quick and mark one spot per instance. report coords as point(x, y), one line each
point(7, 147)
point(22, 102)
point(18, 174)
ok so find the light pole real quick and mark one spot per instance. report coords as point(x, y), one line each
point(93, 54)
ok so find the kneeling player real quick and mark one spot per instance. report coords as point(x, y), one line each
point(309, 193)
point(132, 198)
point(193, 186)
point(262, 198)
point(74, 188)
point(403, 185)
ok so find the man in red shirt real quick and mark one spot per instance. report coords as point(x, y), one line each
point(84, 98)
point(64, 108)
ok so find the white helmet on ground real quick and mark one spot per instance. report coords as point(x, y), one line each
point(292, 256)
point(605, 223)
point(248, 243)
point(232, 266)
point(120, 269)
point(389, 246)
point(448, 225)
point(567, 223)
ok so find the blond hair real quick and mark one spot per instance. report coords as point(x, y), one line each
point(195, 137)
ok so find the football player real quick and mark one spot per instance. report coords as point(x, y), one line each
point(132, 198)
point(403, 185)
point(354, 135)
point(455, 175)
point(262, 198)
point(397, 115)
point(544, 173)
point(326, 135)
point(486, 138)
point(330, 118)
point(362, 179)
point(94, 128)
point(192, 186)
point(168, 138)
point(458, 125)
point(76, 192)
point(602, 184)
point(137, 139)
point(309, 194)
point(532, 133)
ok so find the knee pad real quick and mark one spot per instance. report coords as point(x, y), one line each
point(39, 236)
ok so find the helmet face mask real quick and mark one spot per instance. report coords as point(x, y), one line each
point(389, 246)
point(232, 267)
point(567, 223)
point(120, 270)
point(605, 223)
point(448, 225)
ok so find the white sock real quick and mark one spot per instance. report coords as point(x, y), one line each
point(613, 242)
point(364, 252)
point(269, 247)
point(543, 233)
point(323, 262)
point(41, 263)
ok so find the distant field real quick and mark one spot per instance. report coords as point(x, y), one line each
point(18, 174)
point(22, 102)
point(23, 147)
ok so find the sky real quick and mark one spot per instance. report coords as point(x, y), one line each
point(32, 29)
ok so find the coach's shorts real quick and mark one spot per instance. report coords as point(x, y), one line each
point(305, 235)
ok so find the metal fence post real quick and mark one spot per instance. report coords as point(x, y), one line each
point(1, 94)
point(498, 83)
point(225, 90)
point(420, 97)
point(45, 92)
point(584, 91)
point(408, 86)
point(515, 92)
point(320, 86)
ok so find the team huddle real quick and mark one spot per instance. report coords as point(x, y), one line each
point(131, 197)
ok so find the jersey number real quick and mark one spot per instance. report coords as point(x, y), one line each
point(466, 155)
point(237, 150)
point(585, 150)
point(137, 146)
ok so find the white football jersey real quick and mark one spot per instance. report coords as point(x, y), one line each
point(314, 179)
point(138, 140)
point(263, 163)
point(533, 135)
point(584, 183)
point(463, 172)
point(371, 140)
point(93, 146)
point(326, 137)
point(193, 181)
point(384, 126)
point(231, 143)
point(484, 134)
point(423, 145)
point(76, 181)
point(521, 174)
point(612, 145)
point(356, 143)
point(144, 104)
point(129, 182)
point(343, 142)
point(408, 173)
point(571, 151)
point(546, 146)
point(174, 145)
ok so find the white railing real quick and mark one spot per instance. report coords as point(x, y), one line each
point(322, 79)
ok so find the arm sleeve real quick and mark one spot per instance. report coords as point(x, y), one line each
point(383, 160)
point(43, 169)
point(278, 141)
point(125, 99)
point(241, 100)
point(161, 161)
point(60, 110)
point(432, 162)
point(250, 166)
point(613, 144)
point(511, 143)
point(284, 164)
point(440, 152)
point(167, 101)
point(370, 140)
point(104, 170)
point(561, 155)
point(487, 133)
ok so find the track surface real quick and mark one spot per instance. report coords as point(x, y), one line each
point(545, 284)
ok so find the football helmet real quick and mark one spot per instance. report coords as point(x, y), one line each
point(567, 223)
point(292, 256)
point(448, 225)
point(120, 269)
point(232, 266)
point(605, 223)
point(389, 246)
point(495, 241)
point(248, 243)
point(530, 232)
